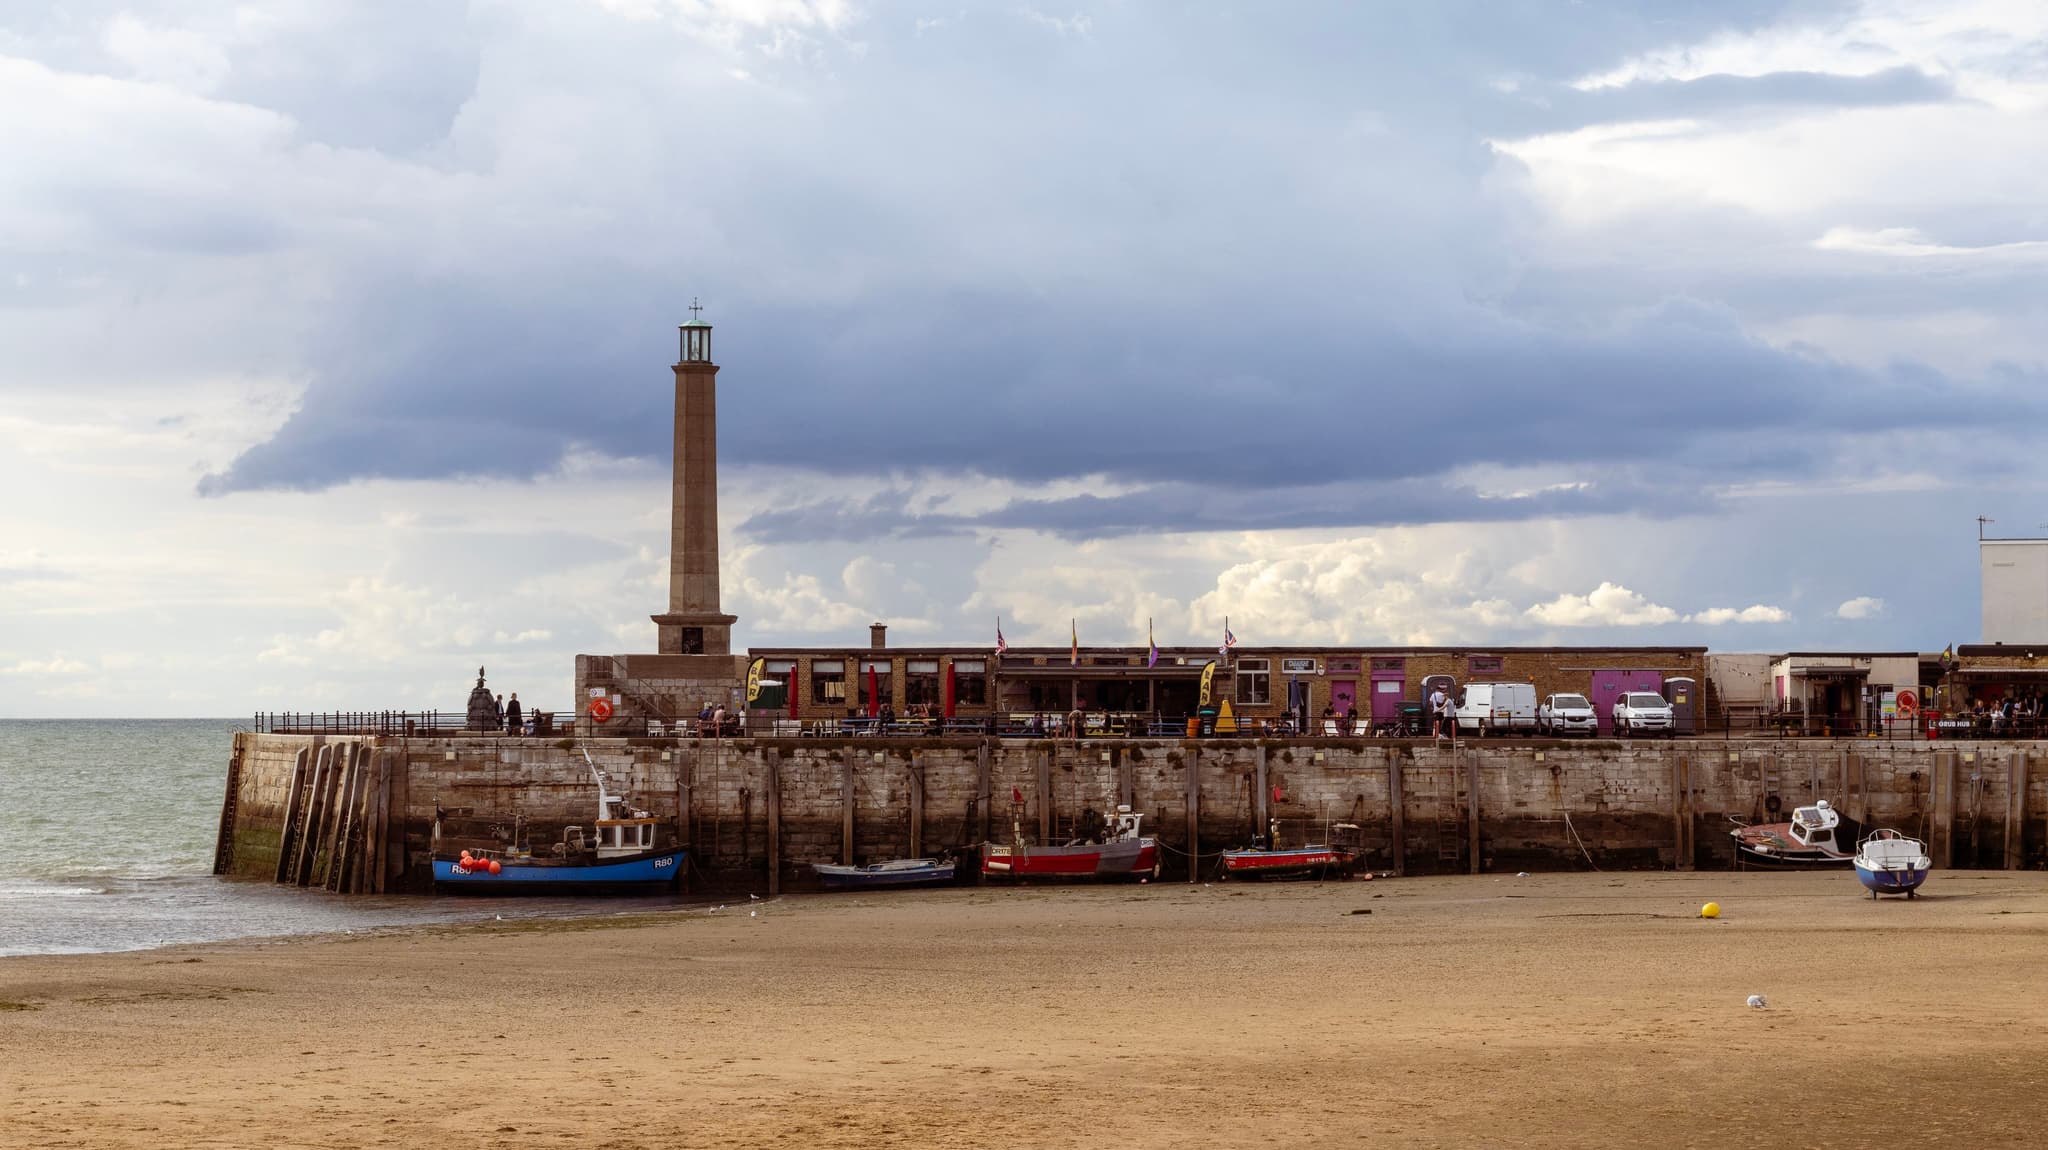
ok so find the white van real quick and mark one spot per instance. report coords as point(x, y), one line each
point(1491, 707)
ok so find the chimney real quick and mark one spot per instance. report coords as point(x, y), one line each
point(878, 635)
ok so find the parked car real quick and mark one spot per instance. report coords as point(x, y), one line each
point(1497, 708)
point(1567, 715)
point(1639, 712)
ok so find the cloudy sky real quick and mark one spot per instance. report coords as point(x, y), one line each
point(334, 337)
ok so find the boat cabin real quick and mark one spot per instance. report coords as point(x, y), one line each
point(1814, 826)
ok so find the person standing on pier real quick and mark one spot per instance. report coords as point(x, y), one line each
point(514, 716)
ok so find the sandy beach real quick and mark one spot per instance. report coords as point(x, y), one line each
point(1556, 1010)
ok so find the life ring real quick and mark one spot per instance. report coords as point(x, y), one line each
point(600, 710)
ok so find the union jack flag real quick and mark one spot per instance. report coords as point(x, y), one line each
point(1229, 640)
point(1002, 645)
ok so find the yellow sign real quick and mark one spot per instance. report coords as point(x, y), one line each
point(754, 670)
point(1208, 677)
point(1226, 723)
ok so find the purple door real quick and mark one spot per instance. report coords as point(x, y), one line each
point(1389, 687)
point(1611, 685)
point(1343, 695)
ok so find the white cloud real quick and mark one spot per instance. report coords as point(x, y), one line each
point(1754, 613)
point(58, 665)
point(173, 56)
point(1608, 605)
point(1861, 607)
point(1911, 243)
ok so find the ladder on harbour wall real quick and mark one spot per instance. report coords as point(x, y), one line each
point(1449, 823)
point(230, 807)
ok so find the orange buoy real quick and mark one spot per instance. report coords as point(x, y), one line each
point(495, 868)
point(600, 709)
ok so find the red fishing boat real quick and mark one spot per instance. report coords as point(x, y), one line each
point(1338, 856)
point(1118, 851)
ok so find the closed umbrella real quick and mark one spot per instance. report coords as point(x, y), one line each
point(952, 689)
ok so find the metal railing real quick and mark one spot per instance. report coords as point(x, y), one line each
point(423, 724)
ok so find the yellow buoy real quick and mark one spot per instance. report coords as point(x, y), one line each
point(1711, 910)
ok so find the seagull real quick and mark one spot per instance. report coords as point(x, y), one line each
point(753, 914)
point(1757, 1001)
point(755, 897)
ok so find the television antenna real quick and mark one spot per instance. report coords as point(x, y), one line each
point(1981, 521)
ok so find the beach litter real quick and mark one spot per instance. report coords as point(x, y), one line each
point(1757, 1001)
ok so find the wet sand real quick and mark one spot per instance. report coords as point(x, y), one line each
point(1558, 1010)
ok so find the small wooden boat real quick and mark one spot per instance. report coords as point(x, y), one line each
point(619, 855)
point(1890, 863)
point(1120, 852)
point(1816, 836)
point(885, 875)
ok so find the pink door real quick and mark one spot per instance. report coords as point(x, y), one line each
point(1389, 687)
point(1611, 685)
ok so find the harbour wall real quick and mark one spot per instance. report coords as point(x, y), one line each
point(1420, 807)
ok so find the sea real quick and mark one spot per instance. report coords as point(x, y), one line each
point(107, 830)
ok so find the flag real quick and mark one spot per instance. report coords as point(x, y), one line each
point(1016, 796)
point(1229, 640)
point(1002, 644)
point(1074, 651)
point(1151, 660)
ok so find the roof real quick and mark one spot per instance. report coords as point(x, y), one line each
point(695, 323)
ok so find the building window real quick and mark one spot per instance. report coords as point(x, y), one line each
point(921, 683)
point(970, 680)
point(693, 640)
point(1337, 665)
point(1390, 664)
point(1484, 664)
point(1254, 682)
point(885, 682)
point(781, 673)
point(1297, 666)
point(828, 682)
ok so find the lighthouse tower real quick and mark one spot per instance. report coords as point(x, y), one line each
point(694, 663)
point(693, 624)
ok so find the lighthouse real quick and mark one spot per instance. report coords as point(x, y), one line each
point(693, 623)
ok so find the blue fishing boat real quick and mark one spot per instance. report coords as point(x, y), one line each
point(885, 875)
point(1890, 863)
point(618, 855)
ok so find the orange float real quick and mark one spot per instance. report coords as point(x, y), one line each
point(600, 709)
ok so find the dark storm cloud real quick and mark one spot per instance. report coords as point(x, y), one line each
point(1215, 254)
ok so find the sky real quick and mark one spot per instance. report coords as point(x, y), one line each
point(334, 339)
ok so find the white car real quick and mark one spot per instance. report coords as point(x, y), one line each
point(1639, 712)
point(1568, 715)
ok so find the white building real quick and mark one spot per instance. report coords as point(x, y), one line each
point(2015, 590)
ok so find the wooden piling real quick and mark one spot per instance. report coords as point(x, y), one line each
point(1262, 813)
point(316, 814)
point(1045, 797)
point(380, 826)
point(686, 785)
point(1194, 812)
point(981, 789)
point(2015, 810)
point(1397, 815)
point(916, 810)
point(774, 825)
point(230, 807)
point(1126, 783)
point(1472, 811)
point(344, 817)
point(294, 813)
point(1681, 812)
point(846, 811)
point(1941, 785)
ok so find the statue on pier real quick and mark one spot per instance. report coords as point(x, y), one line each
point(483, 710)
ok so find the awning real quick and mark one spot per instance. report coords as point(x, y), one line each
point(2015, 673)
point(1162, 671)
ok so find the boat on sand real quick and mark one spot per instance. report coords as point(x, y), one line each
point(893, 874)
point(1817, 836)
point(1890, 863)
point(1118, 850)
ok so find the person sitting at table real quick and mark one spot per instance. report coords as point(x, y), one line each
point(888, 714)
